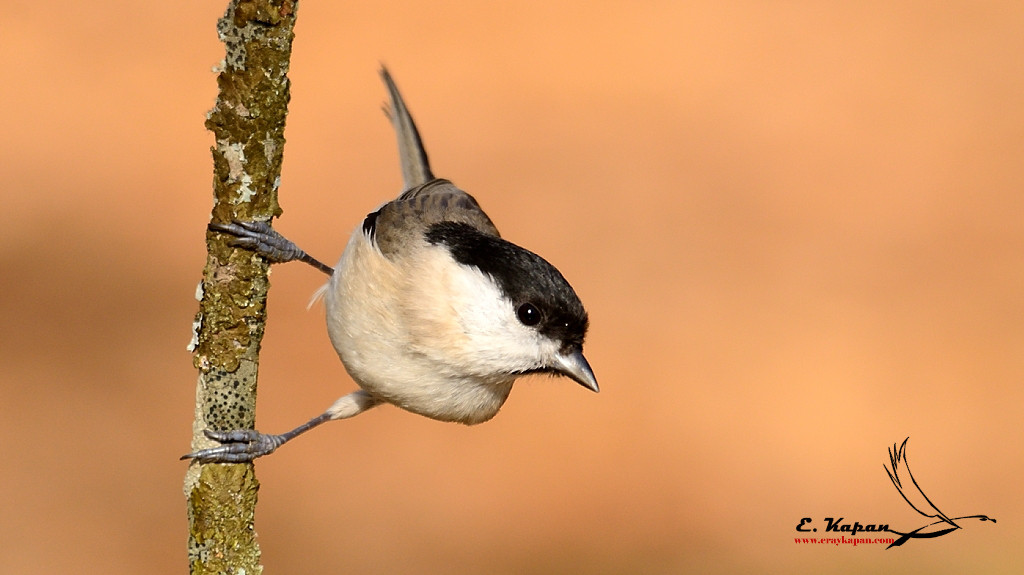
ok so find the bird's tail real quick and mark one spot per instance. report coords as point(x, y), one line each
point(415, 166)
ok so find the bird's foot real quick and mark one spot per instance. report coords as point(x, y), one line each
point(238, 446)
point(260, 238)
point(264, 240)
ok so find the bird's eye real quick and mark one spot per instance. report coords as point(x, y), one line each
point(528, 314)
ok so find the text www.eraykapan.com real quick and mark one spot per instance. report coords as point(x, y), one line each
point(843, 540)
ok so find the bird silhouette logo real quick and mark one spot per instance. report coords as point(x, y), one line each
point(915, 497)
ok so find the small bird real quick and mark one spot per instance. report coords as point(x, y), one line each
point(922, 504)
point(428, 308)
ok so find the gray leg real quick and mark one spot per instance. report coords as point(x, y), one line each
point(264, 240)
point(244, 445)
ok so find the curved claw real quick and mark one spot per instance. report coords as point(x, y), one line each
point(260, 238)
point(237, 446)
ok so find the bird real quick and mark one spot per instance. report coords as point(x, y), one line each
point(922, 504)
point(428, 308)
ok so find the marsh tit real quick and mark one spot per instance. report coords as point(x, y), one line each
point(429, 308)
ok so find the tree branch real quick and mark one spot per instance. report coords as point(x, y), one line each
point(248, 125)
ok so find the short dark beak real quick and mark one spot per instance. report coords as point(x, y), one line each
point(575, 366)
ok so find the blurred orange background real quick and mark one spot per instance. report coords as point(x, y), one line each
point(797, 228)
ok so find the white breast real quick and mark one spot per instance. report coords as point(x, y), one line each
point(399, 336)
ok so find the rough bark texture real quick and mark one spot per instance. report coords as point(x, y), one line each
point(248, 125)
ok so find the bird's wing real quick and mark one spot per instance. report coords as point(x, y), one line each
point(900, 466)
point(426, 200)
point(410, 216)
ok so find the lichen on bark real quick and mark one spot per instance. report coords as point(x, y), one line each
point(247, 122)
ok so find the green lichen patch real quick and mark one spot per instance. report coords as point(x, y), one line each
point(221, 514)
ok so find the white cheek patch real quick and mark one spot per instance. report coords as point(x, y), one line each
point(498, 337)
point(472, 320)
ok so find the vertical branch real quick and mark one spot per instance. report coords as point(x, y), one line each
point(248, 126)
